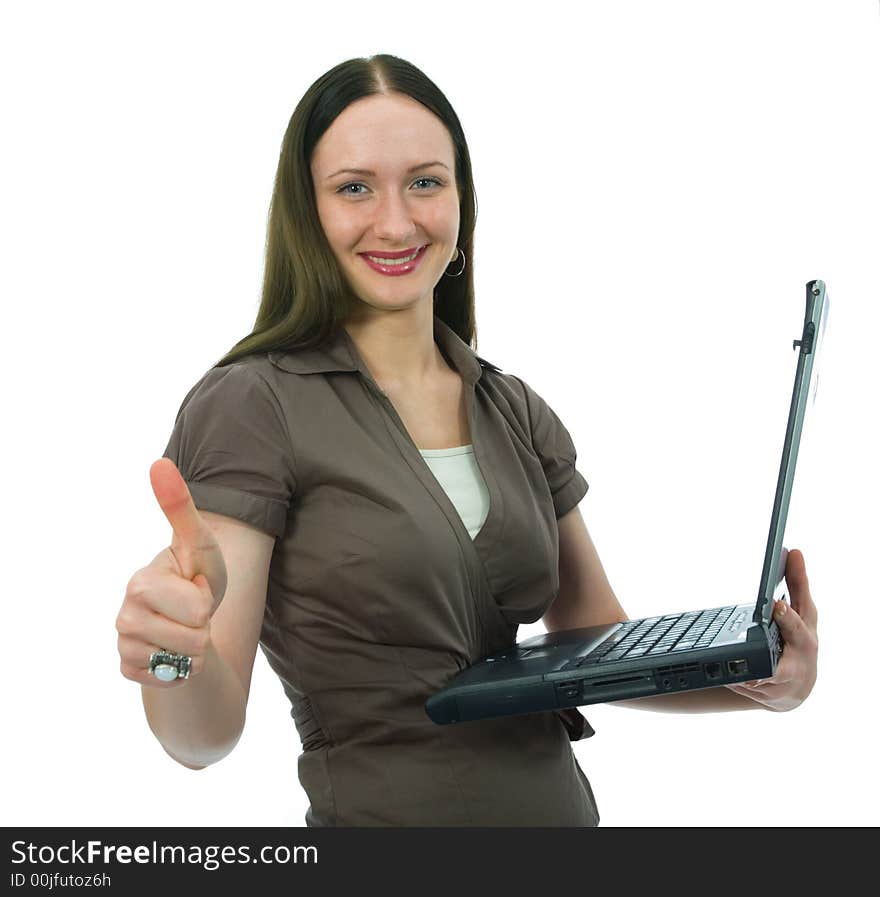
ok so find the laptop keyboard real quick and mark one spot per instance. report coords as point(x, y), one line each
point(658, 635)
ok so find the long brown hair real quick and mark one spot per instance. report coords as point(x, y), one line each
point(305, 296)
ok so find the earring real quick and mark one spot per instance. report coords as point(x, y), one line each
point(463, 263)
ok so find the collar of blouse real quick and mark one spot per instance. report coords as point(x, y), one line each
point(340, 354)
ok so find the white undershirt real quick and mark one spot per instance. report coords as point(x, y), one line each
point(456, 470)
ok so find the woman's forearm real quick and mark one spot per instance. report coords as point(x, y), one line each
point(200, 721)
point(701, 700)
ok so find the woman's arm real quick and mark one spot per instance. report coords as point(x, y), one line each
point(201, 721)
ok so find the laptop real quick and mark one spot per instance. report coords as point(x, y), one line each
point(671, 652)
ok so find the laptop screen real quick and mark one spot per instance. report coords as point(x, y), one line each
point(805, 383)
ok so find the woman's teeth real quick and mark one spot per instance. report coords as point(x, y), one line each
point(381, 261)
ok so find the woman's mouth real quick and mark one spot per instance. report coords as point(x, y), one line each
point(395, 264)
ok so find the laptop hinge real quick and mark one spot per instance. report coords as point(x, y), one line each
point(757, 633)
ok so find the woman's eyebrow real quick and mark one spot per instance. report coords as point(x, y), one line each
point(364, 171)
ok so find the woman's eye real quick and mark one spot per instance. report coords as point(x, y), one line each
point(432, 182)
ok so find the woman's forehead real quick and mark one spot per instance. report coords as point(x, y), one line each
point(380, 133)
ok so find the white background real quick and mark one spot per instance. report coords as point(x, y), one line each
point(656, 183)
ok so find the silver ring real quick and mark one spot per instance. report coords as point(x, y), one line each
point(167, 666)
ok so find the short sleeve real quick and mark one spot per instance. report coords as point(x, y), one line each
point(554, 447)
point(231, 445)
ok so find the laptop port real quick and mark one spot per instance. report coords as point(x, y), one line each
point(682, 681)
point(737, 667)
point(713, 670)
point(569, 689)
point(667, 683)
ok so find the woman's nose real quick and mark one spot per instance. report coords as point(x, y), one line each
point(393, 219)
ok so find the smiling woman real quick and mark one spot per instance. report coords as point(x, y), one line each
point(395, 237)
point(410, 488)
point(388, 173)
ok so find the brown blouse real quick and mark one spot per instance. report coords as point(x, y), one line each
point(377, 593)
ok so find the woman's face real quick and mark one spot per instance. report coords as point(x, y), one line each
point(389, 206)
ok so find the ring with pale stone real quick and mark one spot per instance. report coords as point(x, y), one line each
point(167, 666)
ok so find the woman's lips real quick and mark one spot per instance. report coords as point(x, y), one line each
point(402, 253)
point(395, 270)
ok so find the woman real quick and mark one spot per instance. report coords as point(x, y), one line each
point(374, 504)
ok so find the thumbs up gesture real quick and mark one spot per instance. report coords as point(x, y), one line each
point(169, 604)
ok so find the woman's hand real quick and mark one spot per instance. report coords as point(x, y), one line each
point(796, 671)
point(169, 603)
